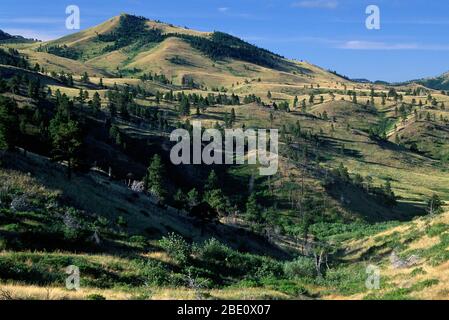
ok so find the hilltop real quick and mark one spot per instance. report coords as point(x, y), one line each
point(134, 46)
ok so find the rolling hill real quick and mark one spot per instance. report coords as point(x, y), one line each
point(86, 176)
point(209, 59)
point(437, 83)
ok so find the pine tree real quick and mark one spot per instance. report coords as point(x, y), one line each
point(303, 106)
point(112, 109)
point(180, 198)
point(121, 222)
point(8, 123)
point(226, 120)
point(212, 182)
point(388, 191)
point(96, 102)
point(271, 118)
point(233, 116)
point(81, 96)
point(85, 78)
point(193, 198)
point(66, 141)
point(154, 178)
point(435, 205)
point(70, 80)
point(217, 200)
point(252, 210)
point(354, 97)
point(311, 98)
point(118, 139)
point(185, 107)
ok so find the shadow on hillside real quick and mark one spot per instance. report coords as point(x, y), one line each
point(97, 195)
point(370, 208)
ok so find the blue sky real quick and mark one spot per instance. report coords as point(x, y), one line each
point(413, 41)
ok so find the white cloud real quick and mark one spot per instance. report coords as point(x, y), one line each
point(319, 4)
point(350, 44)
point(369, 45)
point(223, 9)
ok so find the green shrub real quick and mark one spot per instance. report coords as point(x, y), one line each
point(269, 268)
point(212, 250)
point(102, 222)
point(3, 244)
point(286, 286)
point(347, 280)
point(247, 283)
point(419, 286)
point(95, 297)
point(418, 271)
point(154, 273)
point(16, 267)
point(436, 229)
point(226, 262)
point(397, 294)
point(176, 247)
point(139, 241)
point(301, 267)
point(14, 227)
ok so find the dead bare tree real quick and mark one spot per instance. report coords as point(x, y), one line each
point(321, 253)
point(197, 285)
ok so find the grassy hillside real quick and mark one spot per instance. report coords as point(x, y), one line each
point(125, 265)
point(437, 83)
point(412, 259)
point(133, 45)
point(47, 221)
point(86, 177)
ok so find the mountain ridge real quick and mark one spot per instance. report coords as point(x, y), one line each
point(79, 39)
point(112, 45)
point(8, 38)
point(437, 83)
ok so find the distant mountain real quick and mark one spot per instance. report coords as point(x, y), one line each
point(361, 80)
point(437, 83)
point(7, 38)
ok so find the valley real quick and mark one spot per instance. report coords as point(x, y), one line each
point(87, 180)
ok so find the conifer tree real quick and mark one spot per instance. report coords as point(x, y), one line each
point(8, 123)
point(252, 210)
point(154, 178)
point(96, 102)
point(66, 141)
